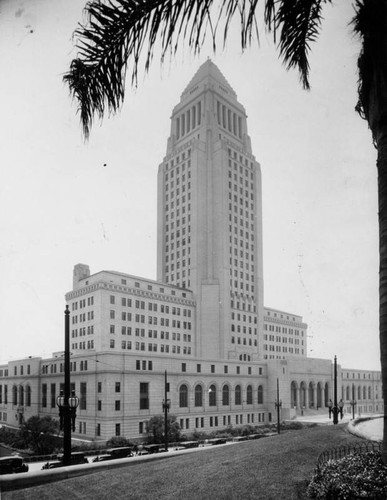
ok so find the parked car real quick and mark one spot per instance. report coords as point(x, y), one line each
point(114, 453)
point(152, 448)
point(189, 444)
point(102, 458)
point(78, 457)
point(121, 452)
point(12, 465)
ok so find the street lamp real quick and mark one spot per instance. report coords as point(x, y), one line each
point(71, 408)
point(333, 407)
point(67, 403)
point(278, 404)
point(166, 404)
point(353, 401)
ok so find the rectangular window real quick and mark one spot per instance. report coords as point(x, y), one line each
point(53, 398)
point(99, 387)
point(198, 368)
point(118, 386)
point(44, 395)
point(118, 429)
point(99, 405)
point(118, 405)
point(183, 367)
point(82, 399)
point(144, 396)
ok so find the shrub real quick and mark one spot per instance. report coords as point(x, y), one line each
point(8, 436)
point(292, 425)
point(39, 434)
point(117, 442)
point(355, 476)
point(155, 430)
point(246, 430)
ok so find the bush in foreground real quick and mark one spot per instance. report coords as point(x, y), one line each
point(356, 476)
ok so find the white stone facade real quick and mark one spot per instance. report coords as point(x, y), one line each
point(203, 320)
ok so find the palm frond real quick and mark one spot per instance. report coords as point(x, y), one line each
point(299, 22)
point(120, 33)
point(116, 35)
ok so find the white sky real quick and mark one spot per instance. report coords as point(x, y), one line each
point(59, 206)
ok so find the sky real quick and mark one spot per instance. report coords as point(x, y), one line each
point(65, 201)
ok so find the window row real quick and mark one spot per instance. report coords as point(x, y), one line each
point(82, 331)
point(226, 396)
point(82, 303)
point(150, 347)
point(188, 120)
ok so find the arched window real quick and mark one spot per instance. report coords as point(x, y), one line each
point(226, 395)
point(14, 395)
point(238, 395)
point(369, 392)
point(183, 396)
point(359, 392)
point(260, 395)
point(199, 395)
point(28, 395)
point(212, 396)
point(249, 395)
point(21, 395)
point(364, 392)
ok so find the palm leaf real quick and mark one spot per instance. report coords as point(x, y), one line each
point(120, 33)
point(298, 22)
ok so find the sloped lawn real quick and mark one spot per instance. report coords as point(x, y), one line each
point(276, 467)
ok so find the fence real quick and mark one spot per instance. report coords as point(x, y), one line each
point(343, 451)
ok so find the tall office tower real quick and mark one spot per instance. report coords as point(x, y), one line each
point(210, 217)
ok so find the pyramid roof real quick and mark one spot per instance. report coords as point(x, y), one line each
point(209, 71)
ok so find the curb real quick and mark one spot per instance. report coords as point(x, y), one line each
point(353, 429)
point(10, 482)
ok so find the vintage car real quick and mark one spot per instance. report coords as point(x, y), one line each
point(12, 465)
point(114, 453)
point(77, 458)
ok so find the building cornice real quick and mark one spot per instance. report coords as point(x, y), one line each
point(129, 291)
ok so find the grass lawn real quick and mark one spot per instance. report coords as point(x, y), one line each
point(277, 467)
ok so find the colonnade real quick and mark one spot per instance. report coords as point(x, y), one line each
point(313, 395)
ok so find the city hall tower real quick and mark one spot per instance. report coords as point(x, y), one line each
point(210, 218)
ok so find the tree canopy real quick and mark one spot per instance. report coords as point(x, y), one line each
point(39, 434)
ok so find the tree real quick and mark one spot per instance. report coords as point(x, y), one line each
point(119, 31)
point(39, 434)
point(155, 429)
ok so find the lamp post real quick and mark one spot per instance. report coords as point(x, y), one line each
point(353, 401)
point(278, 404)
point(334, 407)
point(67, 403)
point(166, 406)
